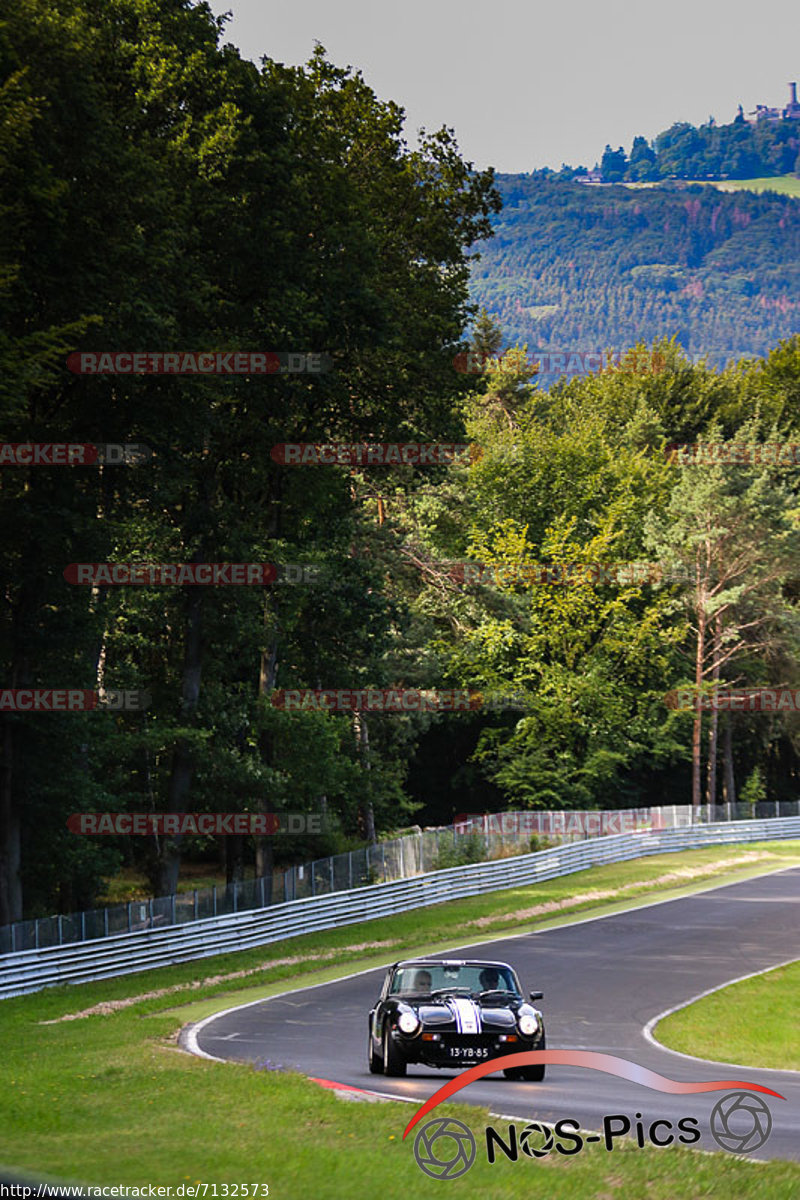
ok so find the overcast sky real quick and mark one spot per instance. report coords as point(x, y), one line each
point(530, 84)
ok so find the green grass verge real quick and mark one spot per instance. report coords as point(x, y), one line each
point(111, 1100)
point(785, 185)
point(753, 1023)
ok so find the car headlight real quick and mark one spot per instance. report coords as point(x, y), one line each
point(528, 1024)
point(408, 1022)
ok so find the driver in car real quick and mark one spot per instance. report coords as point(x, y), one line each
point(489, 979)
point(422, 981)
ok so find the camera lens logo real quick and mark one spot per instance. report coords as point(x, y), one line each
point(740, 1122)
point(536, 1140)
point(444, 1148)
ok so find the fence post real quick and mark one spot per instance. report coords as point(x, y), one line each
point(330, 860)
point(152, 924)
point(14, 938)
point(83, 927)
point(235, 896)
point(422, 853)
point(60, 931)
point(402, 858)
point(36, 933)
point(383, 860)
point(313, 886)
point(130, 902)
point(350, 867)
point(105, 920)
point(174, 914)
point(214, 890)
point(195, 904)
point(366, 859)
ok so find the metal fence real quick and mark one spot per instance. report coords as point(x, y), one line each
point(127, 953)
point(398, 858)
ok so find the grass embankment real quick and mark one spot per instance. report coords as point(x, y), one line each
point(753, 1023)
point(109, 1099)
point(785, 185)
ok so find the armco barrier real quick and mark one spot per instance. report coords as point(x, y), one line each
point(127, 953)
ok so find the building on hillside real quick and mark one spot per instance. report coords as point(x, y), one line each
point(791, 112)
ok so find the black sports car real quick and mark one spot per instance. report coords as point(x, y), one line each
point(452, 1013)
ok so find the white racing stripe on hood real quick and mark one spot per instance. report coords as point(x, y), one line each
point(466, 1013)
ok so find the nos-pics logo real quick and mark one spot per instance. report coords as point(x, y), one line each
point(445, 1148)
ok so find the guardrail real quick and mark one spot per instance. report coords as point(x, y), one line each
point(394, 858)
point(127, 953)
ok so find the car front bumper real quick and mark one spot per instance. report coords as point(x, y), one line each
point(462, 1050)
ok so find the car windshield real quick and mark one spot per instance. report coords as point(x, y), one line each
point(471, 978)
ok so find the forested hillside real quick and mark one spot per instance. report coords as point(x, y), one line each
point(577, 268)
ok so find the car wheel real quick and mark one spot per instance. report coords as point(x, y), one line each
point(375, 1060)
point(393, 1063)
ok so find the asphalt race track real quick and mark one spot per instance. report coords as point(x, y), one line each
point(603, 980)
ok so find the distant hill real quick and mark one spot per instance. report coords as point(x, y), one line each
point(767, 145)
point(579, 267)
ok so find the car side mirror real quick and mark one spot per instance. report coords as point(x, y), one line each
point(537, 995)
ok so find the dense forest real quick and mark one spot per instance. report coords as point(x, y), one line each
point(159, 193)
point(576, 268)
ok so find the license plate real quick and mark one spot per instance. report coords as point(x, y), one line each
point(468, 1051)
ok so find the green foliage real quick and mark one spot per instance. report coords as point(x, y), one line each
point(754, 790)
point(469, 848)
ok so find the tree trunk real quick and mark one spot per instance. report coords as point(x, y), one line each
point(267, 676)
point(234, 866)
point(713, 732)
point(729, 781)
point(366, 813)
point(10, 835)
point(697, 732)
point(180, 780)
